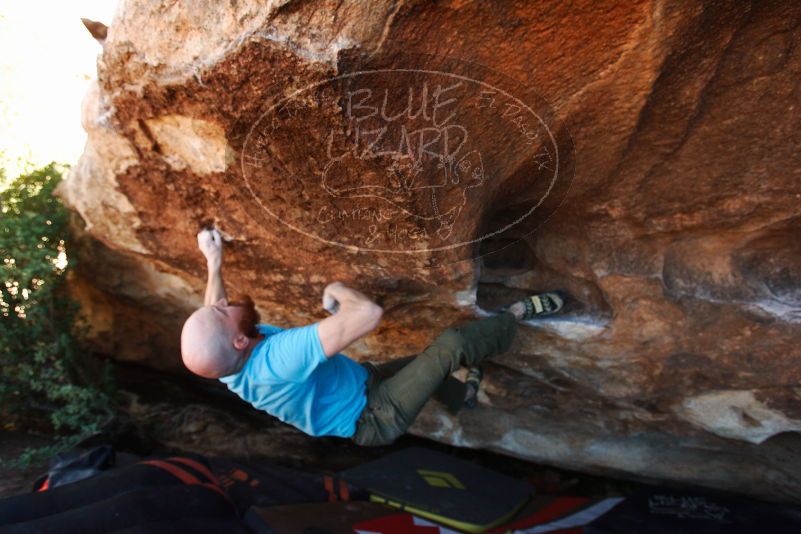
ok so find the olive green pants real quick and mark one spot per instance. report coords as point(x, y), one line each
point(398, 390)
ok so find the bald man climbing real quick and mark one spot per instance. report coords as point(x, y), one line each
point(298, 374)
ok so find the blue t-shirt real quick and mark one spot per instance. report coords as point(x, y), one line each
point(289, 376)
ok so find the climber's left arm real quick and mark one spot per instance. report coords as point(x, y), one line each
point(210, 243)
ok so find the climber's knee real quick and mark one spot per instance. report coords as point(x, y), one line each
point(451, 339)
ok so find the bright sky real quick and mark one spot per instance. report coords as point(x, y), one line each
point(47, 60)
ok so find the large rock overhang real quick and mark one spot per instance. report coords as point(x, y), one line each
point(674, 226)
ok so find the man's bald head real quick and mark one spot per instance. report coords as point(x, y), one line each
point(207, 345)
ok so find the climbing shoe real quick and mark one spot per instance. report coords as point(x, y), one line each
point(542, 304)
point(451, 393)
point(472, 384)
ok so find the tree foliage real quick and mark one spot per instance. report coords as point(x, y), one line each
point(41, 376)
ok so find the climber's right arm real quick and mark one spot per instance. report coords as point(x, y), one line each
point(209, 242)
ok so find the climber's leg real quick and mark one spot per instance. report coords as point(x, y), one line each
point(451, 392)
point(445, 393)
point(393, 403)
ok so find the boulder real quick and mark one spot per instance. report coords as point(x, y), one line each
point(447, 158)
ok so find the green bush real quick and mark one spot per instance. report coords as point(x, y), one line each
point(41, 373)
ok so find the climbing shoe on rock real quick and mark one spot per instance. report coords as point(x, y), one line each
point(451, 393)
point(472, 384)
point(541, 305)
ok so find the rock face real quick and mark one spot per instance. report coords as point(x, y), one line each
point(447, 158)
